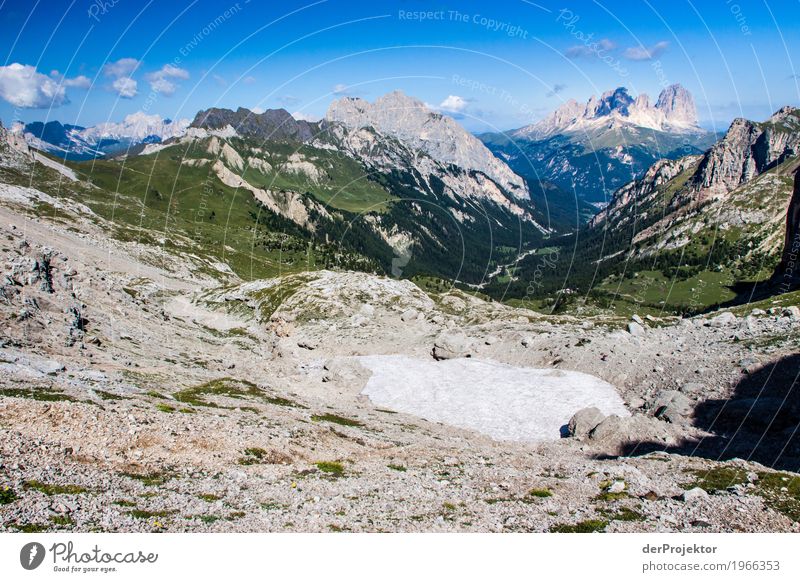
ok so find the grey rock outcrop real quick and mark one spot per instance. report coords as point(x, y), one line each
point(275, 125)
point(747, 149)
point(443, 139)
point(672, 406)
point(584, 421)
point(452, 345)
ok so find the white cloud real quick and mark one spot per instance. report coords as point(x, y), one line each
point(642, 53)
point(591, 49)
point(249, 80)
point(220, 80)
point(125, 87)
point(453, 104)
point(257, 110)
point(23, 86)
point(340, 89)
point(80, 82)
point(161, 80)
point(557, 88)
point(121, 68)
point(300, 116)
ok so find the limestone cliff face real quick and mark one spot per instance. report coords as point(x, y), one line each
point(411, 122)
point(788, 272)
point(748, 149)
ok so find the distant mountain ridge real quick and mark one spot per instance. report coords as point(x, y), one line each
point(591, 149)
point(674, 112)
point(80, 143)
point(270, 125)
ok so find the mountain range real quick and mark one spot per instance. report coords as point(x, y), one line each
point(591, 149)
point(392, 186)
point(81, 143)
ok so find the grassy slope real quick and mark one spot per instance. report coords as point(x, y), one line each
point(156, 200)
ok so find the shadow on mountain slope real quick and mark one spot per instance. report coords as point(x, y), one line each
point(759, 422)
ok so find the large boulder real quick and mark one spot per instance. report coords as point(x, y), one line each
point(583, 421)
point(635, 329)
point(724, 319)
point(450, 345)
point(614, 431)
point(672, 406)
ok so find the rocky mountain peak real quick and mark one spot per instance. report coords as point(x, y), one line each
point(673, 112)
point(615, 100)
point(677, 105)
point(410, 121)
point(271, 125)
point(747, 149)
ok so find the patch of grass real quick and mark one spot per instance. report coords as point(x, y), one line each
point(165, 407)
point(780, 491)
point(586, 526)
point(717, 479)
point(43, 394)
point(234, 515)
point(62, 520)
point(335, 419)
point(253, 456)
point(209, 497)
point(145, 514)
point(208, 518)
point(109, 395)
point(447, 506)
point(271, 506)
point(28, 527)
point(229, 388)
point(7, 495)
point(400, 468)
point(150, 479)
point(623, 514)
point(124, 503)
point(540, 493)
point(331, 467)
point(53, 489)
point(154, 394)
point(609, 496)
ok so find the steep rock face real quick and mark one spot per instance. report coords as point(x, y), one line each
point(276, 125)
point(788, 271)
point(678, 106)
point(641, 191)
point(440, 137)
point(748, 149)
point(386, 155)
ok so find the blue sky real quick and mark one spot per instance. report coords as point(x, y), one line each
point(493, 65)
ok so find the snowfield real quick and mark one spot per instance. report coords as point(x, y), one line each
point(504, 402)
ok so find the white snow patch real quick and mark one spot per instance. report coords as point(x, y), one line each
point(502, 401)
